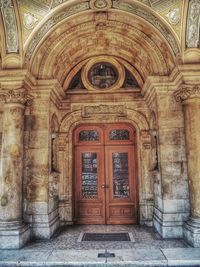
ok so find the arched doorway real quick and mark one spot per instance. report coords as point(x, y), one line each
point(105, 174)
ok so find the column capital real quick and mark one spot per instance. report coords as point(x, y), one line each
point(18, 96)
point(187, 91)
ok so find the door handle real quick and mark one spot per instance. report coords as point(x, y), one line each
point(104, 186)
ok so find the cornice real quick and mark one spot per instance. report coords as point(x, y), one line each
point(188, 74)
point(16, 79)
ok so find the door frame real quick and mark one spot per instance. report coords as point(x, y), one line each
point(123, 125)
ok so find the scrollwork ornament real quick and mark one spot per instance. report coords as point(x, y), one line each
point(187, 92)
point(29, 20)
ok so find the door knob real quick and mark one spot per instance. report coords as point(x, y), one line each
point(104, 186)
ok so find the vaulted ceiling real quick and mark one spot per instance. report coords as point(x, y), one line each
point(45, 35)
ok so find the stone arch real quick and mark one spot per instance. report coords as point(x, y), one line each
point(135, 118)
point(72, 8)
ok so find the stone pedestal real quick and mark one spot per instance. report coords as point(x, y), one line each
point(189, 95)
point(13, 233)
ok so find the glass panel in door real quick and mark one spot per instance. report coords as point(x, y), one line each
point(89, 176)
point(121, 206)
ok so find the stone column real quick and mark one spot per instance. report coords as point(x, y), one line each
point(189, 95)
point(13, 233)
point(171, 198)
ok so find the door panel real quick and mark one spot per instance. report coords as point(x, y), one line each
point(121, 191)
point(89, 173)
point(105, 175)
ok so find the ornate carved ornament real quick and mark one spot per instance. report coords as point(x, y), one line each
point(20, 96)
point(187, 92)
point(174, 16)
point(193, 24)
point(88, 111)
point(10, 26)
point(100, 5)
point(51, 23)
point(134, 9)
point(102, 73)
point(146, 139)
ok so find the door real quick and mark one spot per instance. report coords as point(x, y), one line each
point(105, 175)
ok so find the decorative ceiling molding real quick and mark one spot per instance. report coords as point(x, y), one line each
point(49, 24)
point(100, 5)
point(193, 24)
point(136, 10)
point(10, 26)
point(86, 5)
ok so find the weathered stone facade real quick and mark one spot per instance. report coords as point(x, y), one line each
point(157, 91)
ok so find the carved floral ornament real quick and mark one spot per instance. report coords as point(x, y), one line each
point(187, 92)
point(19, 96)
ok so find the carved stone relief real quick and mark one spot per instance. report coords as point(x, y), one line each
point(193, 24)
point(119, 110)
point(132, 8)
point(52, 22)
point(29, 21)
point(16, 96)
point(146, 139)
point(100, 5)
point(186, 92)
point(174, 16)
point(10, 26)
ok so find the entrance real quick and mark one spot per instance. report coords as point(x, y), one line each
point(105, 174)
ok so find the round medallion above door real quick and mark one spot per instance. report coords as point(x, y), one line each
point(103, 73)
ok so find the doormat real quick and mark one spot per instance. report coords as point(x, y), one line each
point(109, 237)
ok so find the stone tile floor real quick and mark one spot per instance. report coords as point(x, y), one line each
point(65, 250)
point(145, 238)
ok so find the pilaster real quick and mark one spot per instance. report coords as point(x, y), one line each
point(42, 201)
point(13, 232)
point(189, 96)
point(171, 204)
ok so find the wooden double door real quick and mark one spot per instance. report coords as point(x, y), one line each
point(105, 174)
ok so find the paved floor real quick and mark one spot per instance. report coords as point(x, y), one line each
point(144, 238)
point(65, 249)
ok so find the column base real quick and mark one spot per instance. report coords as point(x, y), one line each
point(14, 235)
point(168, 225)
point(191, 232)
point(44, 222)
